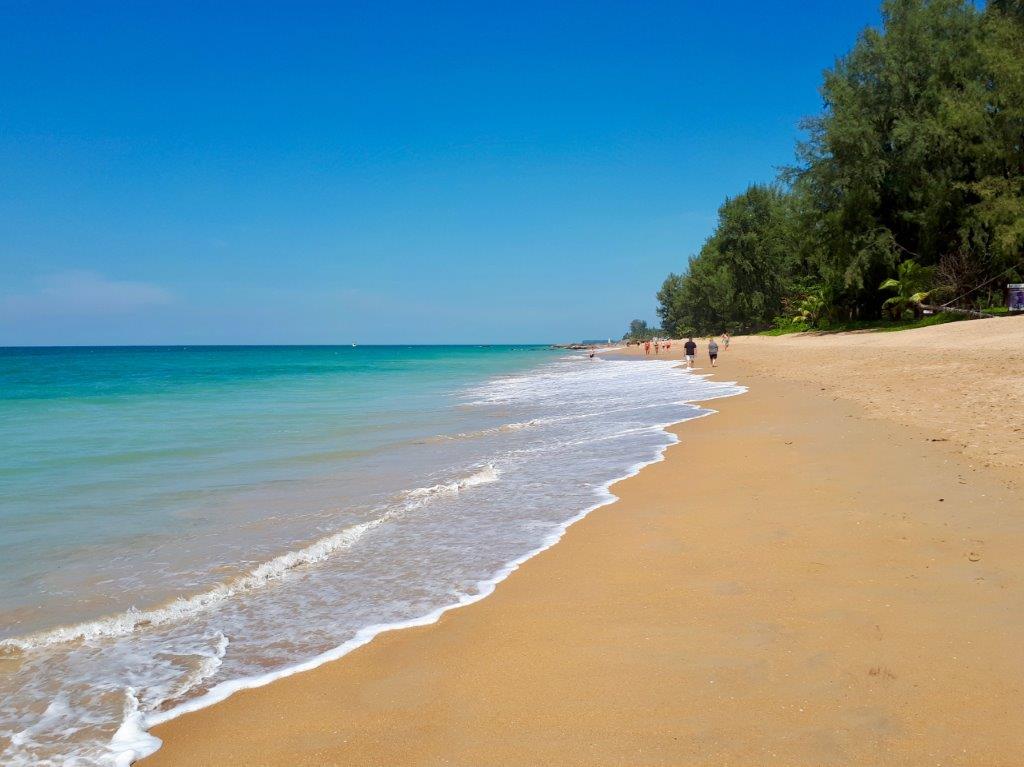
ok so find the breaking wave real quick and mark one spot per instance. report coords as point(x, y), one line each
point(183, 608)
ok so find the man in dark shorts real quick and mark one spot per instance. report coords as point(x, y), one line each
point(691, 349)
point(713, 352)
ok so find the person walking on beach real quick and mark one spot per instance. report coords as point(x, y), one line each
point(713, 352)
point(647, 348)
point(691, 349)
point(657, 346)
point(725, 340)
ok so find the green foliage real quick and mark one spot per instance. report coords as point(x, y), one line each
point(783, 326)
point(786, 326)
point(998, 215)
point(912, 287)
point(639, 331)
point(884, 161)
point(999, 311)
point(742, 274)
point(910, 181)
point(817, 305)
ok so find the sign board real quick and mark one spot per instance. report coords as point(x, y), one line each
point(1015, 297)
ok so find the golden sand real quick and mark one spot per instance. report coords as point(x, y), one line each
point(827, 572)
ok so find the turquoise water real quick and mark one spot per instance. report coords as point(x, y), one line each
point(103, 450)
point(176, 521)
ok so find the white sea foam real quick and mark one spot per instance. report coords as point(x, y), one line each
point(184, 608)
point(55, 713)
point(208, 665)
point(132, 742)
point(489, 432)
point(420, 495)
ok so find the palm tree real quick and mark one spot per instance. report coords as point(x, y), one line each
point(810, 309)
point(818, 304)
point(913, 284)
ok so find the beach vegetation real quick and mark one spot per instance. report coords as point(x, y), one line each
point(639, 330)
point(786, 325)
point(913, 286)
point(908, 187)
point(743, 273)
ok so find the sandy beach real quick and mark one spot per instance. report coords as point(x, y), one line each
point(828, 571)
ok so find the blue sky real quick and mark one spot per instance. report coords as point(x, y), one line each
point(381, 172)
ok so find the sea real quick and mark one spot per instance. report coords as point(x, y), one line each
point(178, 523)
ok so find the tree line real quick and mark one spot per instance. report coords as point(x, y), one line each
point(639, 330)
point(907, 188)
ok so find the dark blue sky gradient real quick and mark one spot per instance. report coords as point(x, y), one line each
point(382, 172)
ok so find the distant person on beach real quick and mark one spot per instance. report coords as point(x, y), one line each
point(657, 346)
point(647, 348)
point(713, 352)
point(725, 341)
point(691, 349)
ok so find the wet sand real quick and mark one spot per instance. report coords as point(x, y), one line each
point(826, 572)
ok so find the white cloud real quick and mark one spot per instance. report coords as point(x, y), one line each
point(76, 293)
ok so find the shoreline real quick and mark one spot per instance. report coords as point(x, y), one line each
point(408, 698)
point(134, 740)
